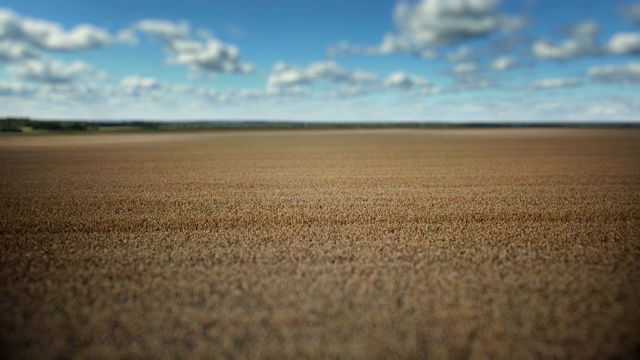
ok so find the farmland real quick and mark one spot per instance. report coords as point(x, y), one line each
point(451, 243)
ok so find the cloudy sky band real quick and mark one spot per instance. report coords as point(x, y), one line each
point(429, 60)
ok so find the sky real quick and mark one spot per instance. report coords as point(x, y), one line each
point(321, 60)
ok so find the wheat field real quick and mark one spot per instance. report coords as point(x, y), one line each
point(453, 243)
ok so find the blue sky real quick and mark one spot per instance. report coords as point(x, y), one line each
point(330, 60)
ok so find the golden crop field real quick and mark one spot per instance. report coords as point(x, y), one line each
point(509, 243)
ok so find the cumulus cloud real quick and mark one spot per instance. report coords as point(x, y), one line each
point(465, 68)
point(166, 30)
point(444, 21)
point(151, 95)
point(50, 71)
point(15, 51)
point(504, 63)
point(409, 83)
point(581, 42)
point(553, 83)
point(79, 38)
point(390, 44)
point(15, 89)
point(422, 26)
point(624, 43)
point(402, 80)
point(356, 83)
point(42, 94)
point(284, 75)
point(136, 85)
point(568, 49)
point(210, 54)
point(627, 73)
point(49, 35)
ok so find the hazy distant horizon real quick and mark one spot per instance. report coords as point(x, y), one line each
point(346, 123)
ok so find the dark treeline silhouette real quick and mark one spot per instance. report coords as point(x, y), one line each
point(20, 124)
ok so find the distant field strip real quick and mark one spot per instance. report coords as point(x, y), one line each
point(492, 243)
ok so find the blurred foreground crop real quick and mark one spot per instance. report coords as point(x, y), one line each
point(348, 244)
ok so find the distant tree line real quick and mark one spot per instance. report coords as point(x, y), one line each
point(20, 124)
point(17, 124)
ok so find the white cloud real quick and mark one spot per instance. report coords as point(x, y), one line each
point(136, 85)
point(284, 75)
point(425, 24)
point(15, 51)
point(581, 42)
point(49, 35)
point(624, 43)
point(166, 30)
point(49, 71)
point(504, 63)
point(15, 89)
point(209, 55)
point(628, 73)
point(80, 37)
point(465, 69)
point(565, 50)
point(444, 21)
point(390, 44)
point(402, 80)
point(357, 82)
point(141, 97)
point(213, 56)
point(394, 44)
point(288, 77)
point(553, 83)
point(65, 95)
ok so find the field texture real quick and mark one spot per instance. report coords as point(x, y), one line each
point(321, 244)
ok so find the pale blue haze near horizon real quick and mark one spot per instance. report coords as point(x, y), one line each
point(330, 60)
